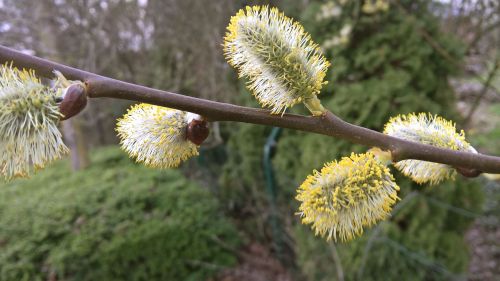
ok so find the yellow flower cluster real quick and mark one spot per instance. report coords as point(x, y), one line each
point(346, 196)
point(156, 136)
point(432, 130)
point(29, 137)
point(372, 7)
point(283, 66)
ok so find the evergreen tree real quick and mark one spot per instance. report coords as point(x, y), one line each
point(387, 59)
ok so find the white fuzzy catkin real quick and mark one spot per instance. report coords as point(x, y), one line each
point(29, 137)
point(346, 196)
point(282, 64)
point(432, 130)
point(156, 136)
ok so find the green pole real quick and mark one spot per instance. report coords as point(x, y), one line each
point(269, 151)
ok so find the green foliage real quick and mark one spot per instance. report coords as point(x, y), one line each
point(113, 221)
point(422, 241)
point(242, 182)
point(489, 139)
point(385, 68)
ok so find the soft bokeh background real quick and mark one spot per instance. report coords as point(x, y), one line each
point(230, 213)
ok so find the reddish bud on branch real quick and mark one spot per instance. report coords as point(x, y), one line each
point(197, 131)
point(74, 101)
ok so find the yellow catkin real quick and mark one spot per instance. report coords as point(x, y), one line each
point(156, 136)
point(432, 130)
point(282, 64)
point(346, 196)
point(29, 137)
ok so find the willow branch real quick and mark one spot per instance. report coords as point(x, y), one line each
point(327, 124)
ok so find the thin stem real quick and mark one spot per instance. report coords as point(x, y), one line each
point(337, 261)
point(483, 92)
point(436, 46)
point(326, 124)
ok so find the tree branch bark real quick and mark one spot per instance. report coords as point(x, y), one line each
point(328, 124)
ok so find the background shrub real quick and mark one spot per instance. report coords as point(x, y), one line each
point(114, 221)
point(385, 68)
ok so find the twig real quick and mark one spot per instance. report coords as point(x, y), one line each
point(327, 124)
point(482, 93)
point(337, 261)
point(437, 47)
point(480, 34)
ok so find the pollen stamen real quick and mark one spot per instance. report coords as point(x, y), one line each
point(283, 66)
point(156, 136)
point(346, 196)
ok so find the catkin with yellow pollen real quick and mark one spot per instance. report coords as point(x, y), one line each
point(156, 136)
point(29, 114)
point(346, 196)
point(432, 130)
point(282, 64)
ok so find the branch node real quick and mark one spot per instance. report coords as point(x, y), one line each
point(469, 173)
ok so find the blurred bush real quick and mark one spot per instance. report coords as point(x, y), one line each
point(382, 65)
point(488, 137)
point(114, 221)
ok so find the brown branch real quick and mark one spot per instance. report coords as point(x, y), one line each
point(480, 34)
point(482, 93)
point(328, 124)
point(437, 47)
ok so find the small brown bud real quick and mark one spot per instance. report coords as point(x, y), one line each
point(73, 102)
point(197, 131)
point(469, 173)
